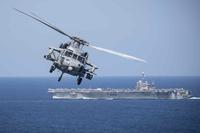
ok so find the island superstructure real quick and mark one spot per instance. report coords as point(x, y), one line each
point(143, 90)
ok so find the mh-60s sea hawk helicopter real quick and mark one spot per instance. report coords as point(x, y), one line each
point(70, 58)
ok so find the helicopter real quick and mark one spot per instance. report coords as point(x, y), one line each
point(70, 57)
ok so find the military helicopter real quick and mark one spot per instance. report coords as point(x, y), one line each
point(70, 57)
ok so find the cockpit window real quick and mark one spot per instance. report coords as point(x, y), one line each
point(67, 53)
point(81, 59)
point(74, 56)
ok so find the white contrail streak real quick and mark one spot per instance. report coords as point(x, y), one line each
point(118, 54)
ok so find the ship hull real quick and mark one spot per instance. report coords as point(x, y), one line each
point(118, 94)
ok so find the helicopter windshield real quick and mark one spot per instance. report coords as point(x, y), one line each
point(75, 56)
point(68, 53)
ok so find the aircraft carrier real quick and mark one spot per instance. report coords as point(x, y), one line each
point(143, 90)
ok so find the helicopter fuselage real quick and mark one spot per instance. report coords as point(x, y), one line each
point(71, 60)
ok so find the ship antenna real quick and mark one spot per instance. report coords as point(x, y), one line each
point(143, 75)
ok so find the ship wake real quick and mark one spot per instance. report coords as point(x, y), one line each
point(196, 98)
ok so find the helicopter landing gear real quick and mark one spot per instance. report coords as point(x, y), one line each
point(89, 76)
point(60, 77)
point(52, 68)
point(79, 79)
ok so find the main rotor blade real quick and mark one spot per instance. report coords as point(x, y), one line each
point(117, 53)
point(39, 19)
point(44, 22)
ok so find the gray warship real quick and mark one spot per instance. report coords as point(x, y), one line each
point(143, 90)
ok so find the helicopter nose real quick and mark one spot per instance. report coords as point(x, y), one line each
point(70, 68)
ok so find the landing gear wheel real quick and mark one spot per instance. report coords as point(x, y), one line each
point(52, 69)
point(89, 76)
point(79, 79)
point(60, 77)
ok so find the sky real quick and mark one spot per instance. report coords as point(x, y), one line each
point(166, 33)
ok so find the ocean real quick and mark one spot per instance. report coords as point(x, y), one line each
point(26, 107)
